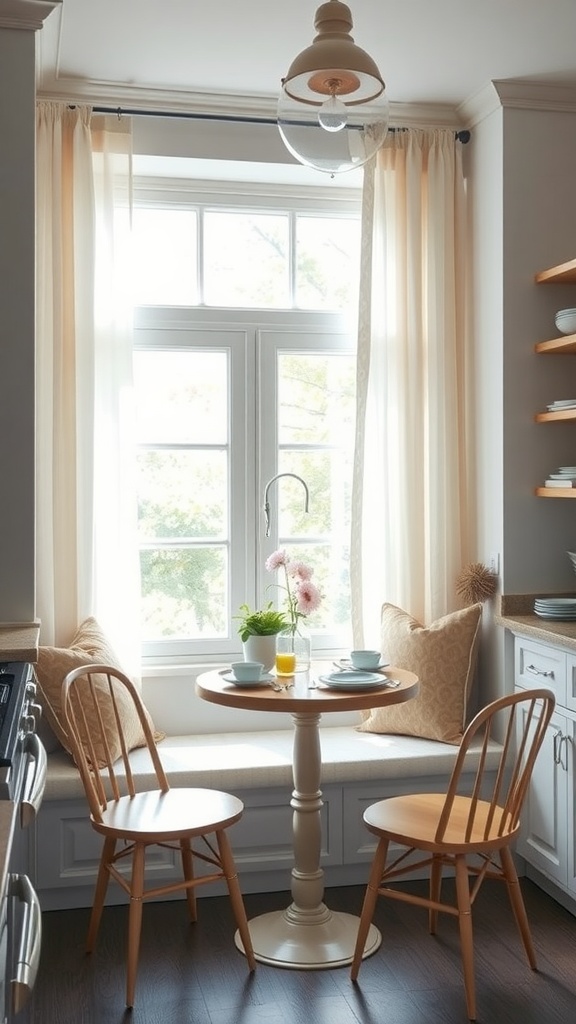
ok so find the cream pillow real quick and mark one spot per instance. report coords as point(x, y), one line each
point(88, 646)
point(443, 656)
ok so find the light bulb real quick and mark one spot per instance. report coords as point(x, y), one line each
point(333, 116)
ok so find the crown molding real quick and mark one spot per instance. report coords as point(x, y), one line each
point(536, 95)
point(26, 14)
point(518, 94)
point(211, 105)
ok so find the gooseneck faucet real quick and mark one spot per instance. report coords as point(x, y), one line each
point(267, 503)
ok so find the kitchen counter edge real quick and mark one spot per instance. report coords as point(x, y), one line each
point(516, 613)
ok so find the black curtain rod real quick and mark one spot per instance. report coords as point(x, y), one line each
point(462, 136)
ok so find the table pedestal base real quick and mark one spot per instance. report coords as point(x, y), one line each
point(288, 938)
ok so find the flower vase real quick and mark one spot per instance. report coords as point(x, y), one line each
point(297, 641)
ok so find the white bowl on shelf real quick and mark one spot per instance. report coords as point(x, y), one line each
point(565, 321)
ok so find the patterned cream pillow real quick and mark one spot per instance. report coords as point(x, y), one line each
point(88, 646)
point(443, 656)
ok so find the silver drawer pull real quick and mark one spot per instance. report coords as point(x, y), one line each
point(539, 672)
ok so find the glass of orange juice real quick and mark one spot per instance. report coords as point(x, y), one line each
point(285, 663)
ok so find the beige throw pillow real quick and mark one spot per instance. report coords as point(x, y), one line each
point(443, 656)
point(88, 646)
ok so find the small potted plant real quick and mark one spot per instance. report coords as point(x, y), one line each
point(258, 631)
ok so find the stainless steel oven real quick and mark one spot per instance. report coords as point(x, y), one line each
point(22, 781)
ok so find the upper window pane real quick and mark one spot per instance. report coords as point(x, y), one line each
point(327, 256)
point(246, 259)
point(165, 257)
point(181, 397)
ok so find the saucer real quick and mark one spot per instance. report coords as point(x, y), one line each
point(345, 664)
point(264, 680)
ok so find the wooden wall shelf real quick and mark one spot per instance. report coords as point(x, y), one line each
point(564, 273)
point(556, 492)
point(557, 345)
point(555, 417)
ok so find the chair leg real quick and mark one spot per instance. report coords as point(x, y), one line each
point(369, 905)
point(517, 902)
point(435, 891)
point(466, 937)
point(236, 899)
point(135, 919)
point(188, 871)
point(102, 880)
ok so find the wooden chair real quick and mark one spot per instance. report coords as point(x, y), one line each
point(469, 827)
point(99, 703)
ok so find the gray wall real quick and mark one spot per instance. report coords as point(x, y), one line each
point(17, 131)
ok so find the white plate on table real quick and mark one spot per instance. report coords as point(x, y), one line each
point(354, 680)
point(264, 680)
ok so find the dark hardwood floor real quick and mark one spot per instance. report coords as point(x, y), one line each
point(193, 974)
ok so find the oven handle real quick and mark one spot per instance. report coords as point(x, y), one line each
point(28, 943)
point(34, 780)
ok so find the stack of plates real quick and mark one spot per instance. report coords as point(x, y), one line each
point(564, 473)
point(556, 607)
point(565, 321)
point(562, 405)
point(354, 680)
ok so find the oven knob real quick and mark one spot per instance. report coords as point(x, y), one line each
point(36, 710)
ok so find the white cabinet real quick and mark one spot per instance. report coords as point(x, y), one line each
point(547, 839)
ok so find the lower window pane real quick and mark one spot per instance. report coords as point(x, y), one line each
point(182, 494)
point(184, 592)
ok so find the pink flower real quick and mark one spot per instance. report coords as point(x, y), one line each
point(276, 559)
point(307, 597)
point(300, 571)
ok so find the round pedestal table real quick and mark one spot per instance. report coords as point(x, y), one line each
point(307, 934)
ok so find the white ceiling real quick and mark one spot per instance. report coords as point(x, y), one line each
point(233, 53)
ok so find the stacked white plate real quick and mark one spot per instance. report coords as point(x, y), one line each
point(556, 607)
point(565, 321)
point(562, 405)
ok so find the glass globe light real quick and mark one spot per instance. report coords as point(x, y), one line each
point(333, 111)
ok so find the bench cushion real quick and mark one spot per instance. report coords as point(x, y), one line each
point(250, 760)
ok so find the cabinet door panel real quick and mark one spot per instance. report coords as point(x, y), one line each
point(571, 682)
point(543, 836)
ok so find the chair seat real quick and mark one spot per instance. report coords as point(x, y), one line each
point(413, 821)
point(156, 816)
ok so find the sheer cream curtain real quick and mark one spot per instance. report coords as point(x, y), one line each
point(86, 510)
point(412, 505)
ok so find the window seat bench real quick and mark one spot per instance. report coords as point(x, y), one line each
point(357, 769)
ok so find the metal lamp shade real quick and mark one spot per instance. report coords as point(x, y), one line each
point(333, 69)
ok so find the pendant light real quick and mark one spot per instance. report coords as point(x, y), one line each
point(333, 110)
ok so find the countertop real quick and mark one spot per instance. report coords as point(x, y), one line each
point(516, 612)
point(19, 641)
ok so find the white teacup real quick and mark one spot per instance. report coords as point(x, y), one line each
point(247, 671)
point(365, 659)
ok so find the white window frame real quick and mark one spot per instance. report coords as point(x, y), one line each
point(252, 338)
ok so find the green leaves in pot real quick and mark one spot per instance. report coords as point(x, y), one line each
point(265, 622)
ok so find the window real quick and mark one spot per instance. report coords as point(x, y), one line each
point(244, 367)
